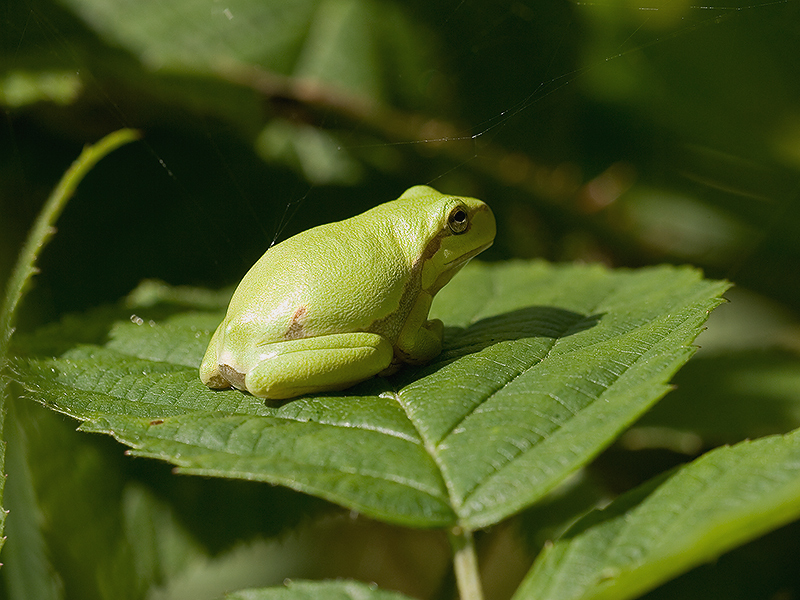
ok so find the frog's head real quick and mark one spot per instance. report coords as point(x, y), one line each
point(451, 230)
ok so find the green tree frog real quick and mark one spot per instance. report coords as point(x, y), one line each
point(339, 303)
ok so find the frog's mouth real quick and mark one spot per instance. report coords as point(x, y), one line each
point(465, 258)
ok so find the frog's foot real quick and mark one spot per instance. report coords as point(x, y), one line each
point(216, 381)
point(319, 364)
point(421, 344)
point(232, 376)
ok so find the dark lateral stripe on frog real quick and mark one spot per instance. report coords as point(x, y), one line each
point(390, 324)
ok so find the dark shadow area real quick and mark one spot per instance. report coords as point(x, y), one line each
point(729, 397)
point(204, 504)
point(764, 569)
point(530, 322)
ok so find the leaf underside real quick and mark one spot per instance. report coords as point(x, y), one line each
point(543, 367)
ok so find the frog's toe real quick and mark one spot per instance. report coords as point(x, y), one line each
point(233, 377)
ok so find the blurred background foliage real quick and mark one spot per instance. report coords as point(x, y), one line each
point(621, 131)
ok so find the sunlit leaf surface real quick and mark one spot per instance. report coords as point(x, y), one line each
point(543, 367)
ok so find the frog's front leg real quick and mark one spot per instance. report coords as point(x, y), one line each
point(317, 364)
point(420, 340)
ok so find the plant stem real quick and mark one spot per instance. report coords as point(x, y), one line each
point(465, 563)
point(41, 232)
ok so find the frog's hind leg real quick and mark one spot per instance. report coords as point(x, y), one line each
point(318, 364)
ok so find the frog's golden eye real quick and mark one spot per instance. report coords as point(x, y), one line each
point(458, 220)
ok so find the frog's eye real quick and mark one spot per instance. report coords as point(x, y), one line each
point(458, 220)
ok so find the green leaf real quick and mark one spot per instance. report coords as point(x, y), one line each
point(59, 548)
point(313, 590)
point(544, 367)
point(28, 570)
point(160, 547)
point(361, 47)
point(84, 526)
point(178, 36)
point(723, 499)
point(354, 57)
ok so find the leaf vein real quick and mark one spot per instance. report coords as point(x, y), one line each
point(494, 464)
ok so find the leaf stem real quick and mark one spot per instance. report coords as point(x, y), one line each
point(41, 232)
point(465, 563)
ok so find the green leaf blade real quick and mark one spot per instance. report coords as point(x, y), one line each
point(548, 369)
point(399, 483)
point(560, 397)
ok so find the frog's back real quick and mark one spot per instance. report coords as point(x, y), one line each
point(328, 280)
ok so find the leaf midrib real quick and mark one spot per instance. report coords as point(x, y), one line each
point(457, 504)
point(485, 480)
point(200, 458)
point(433, 448)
